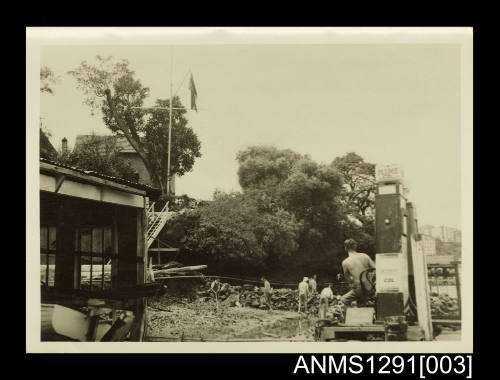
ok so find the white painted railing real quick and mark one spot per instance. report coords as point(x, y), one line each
point(156, 222)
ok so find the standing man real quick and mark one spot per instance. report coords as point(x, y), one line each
point(324, 298)
point(303, 293)
point(215, 288)
point(313, 286)
point(353, 266)
point(268, 291)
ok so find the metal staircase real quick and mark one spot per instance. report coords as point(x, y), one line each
point(156, 221)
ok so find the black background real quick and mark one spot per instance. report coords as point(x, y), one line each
point(235, 366)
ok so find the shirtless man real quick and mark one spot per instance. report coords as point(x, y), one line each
point(325, 296)
point(303, 293)
point(353, 266)
point(313, 286)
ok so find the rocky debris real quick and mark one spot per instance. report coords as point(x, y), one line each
point(248, 295)
point(444, 306)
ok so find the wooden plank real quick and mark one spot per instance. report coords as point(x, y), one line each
point(89, 178)
point(372, 328)
point(422, 291)
point(79, 189)
point(447, 321)
point(164, 249)
point(183, 269)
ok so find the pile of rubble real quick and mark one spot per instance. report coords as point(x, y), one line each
point(444, 306)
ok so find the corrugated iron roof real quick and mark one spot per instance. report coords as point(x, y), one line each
point(137, 185)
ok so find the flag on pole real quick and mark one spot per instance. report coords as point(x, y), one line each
point(194, 94)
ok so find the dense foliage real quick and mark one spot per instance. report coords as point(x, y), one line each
point(101, 155)
point(47, 80)
point(291, 217)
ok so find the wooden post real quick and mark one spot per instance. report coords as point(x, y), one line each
point(422, 290)
point(141, 247)
point(140, 311)
point(138, 329)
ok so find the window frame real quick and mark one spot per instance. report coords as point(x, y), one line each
point(103, 255)
point(45, 252)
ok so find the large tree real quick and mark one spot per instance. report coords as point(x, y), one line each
point(308, 190)
point(289, 218)
point(358, 198)
point(110, 87)
point(359, 184)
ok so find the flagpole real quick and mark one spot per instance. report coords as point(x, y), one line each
point(170, 121)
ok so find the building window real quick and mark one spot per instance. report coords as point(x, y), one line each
point(47, 255)
point(94, 257)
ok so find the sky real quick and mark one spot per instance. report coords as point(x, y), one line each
point(389, 103)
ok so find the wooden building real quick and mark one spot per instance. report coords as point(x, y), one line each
point(93, 237)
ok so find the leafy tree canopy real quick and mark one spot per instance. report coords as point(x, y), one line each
point(47, 80)
point(289, 214)
point(111, 87)
point(230, 229)
point(359, 185)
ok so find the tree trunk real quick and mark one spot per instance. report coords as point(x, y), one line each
point(136, 144)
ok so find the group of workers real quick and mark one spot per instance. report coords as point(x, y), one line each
point(353, 267)
point(307, 290)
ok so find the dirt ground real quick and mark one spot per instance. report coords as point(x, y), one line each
point(173, 318)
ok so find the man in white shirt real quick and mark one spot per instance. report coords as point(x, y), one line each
point(303, 293)
point(325, 296)
point(268, 291)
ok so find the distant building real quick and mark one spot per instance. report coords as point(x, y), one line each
point(426, 230)
point(129, 154)
point(428, 244)
point(444, 233)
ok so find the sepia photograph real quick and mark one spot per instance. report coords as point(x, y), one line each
point(276, 187)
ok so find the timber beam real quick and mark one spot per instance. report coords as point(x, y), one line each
point(87, 178)
point(59, 181)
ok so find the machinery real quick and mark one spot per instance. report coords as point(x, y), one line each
point(400, 307)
